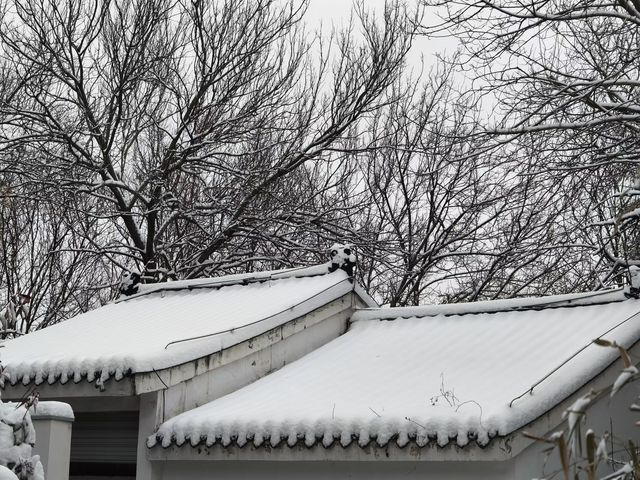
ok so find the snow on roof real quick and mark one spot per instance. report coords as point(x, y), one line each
point(493, 306)
point(145, 332)
point(421, 379)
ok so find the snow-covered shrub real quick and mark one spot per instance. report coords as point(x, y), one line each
point(17, 307)
point(6, 474)
point(17, 438)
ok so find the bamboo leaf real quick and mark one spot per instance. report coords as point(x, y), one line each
point(591, 455)
point(539, 438)
point(633, 452)
point(626, 359)
point(564, 456)
point(602, 342)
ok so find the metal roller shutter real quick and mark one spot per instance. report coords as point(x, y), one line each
point(104, 444)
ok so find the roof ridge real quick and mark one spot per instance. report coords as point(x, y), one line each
point(229, 280)
point(493, 306)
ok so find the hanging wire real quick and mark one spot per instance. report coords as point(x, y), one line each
point(582, 349)
point(229, 330)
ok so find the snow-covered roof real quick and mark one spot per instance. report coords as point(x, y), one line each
point(437, 377)
point(149, 331)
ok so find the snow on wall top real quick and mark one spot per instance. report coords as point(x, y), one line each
point(133, 335)
point(434, 378)
point(49, 409)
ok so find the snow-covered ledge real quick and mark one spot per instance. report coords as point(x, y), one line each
point(52, 422)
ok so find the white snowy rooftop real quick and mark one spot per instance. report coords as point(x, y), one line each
point(136, 334)
point(444, 374)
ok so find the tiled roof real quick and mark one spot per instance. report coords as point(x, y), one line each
point(439, 377)
point(147, 331)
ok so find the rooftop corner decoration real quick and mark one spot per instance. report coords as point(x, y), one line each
point(129, 283)
point(343, 257)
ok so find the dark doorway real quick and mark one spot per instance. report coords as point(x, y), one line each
point(104, 445)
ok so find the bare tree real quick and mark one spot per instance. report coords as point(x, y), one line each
point(564, 79)
point(443, 219)
point(45, 271)
point(185, 121)
point(428, 196)
point(202, 137)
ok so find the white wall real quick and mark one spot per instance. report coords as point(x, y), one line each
point(606, 415)
point(282, 345)
point(53, 444)
point(256, 363)
point(336, 470)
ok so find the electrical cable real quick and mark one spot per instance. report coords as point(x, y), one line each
point(229, 330)
point(582, 349)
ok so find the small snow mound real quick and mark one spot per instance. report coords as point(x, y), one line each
point(52, 409)
point(6, 474)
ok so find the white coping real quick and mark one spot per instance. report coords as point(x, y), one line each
point(51, 410)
